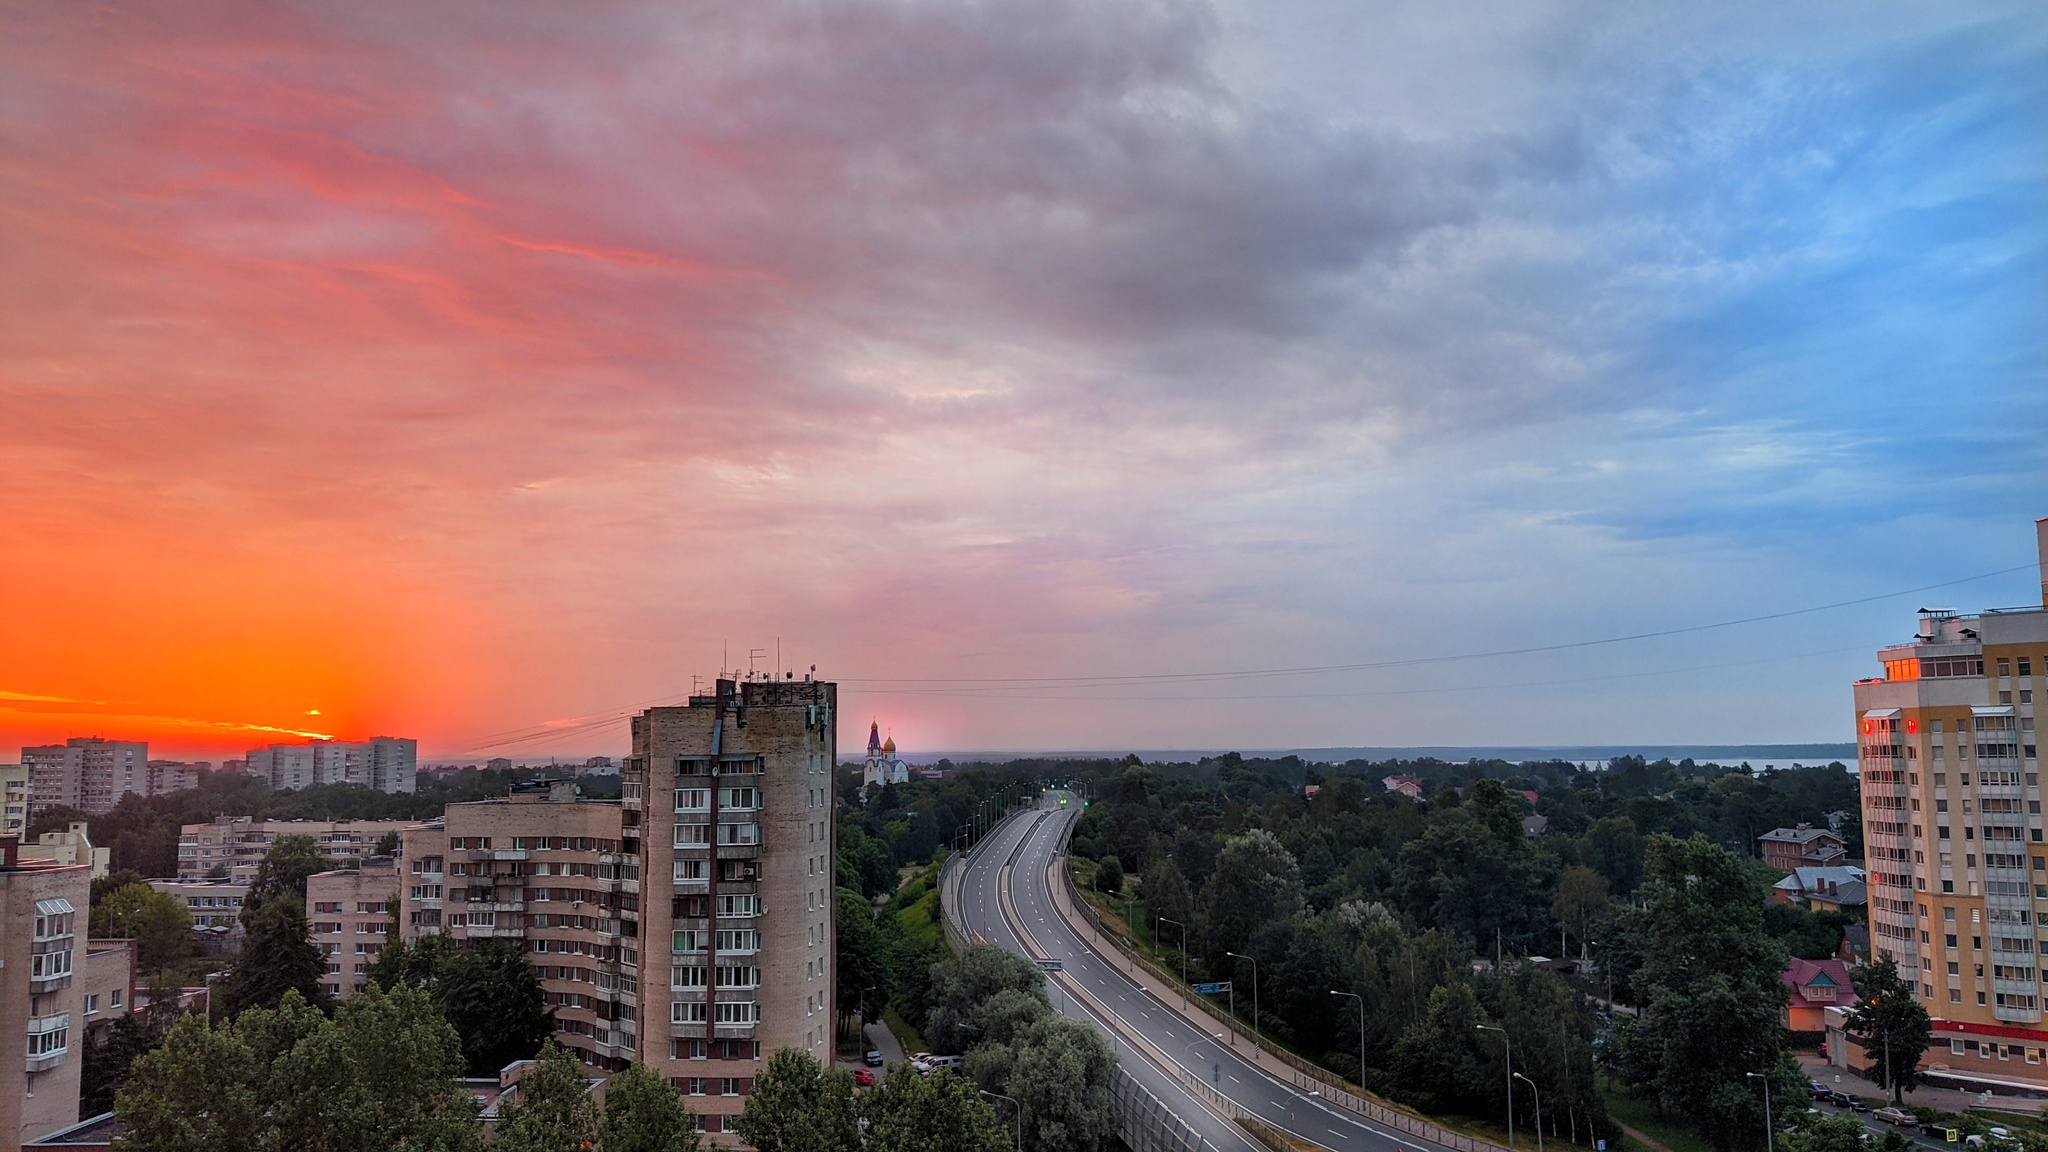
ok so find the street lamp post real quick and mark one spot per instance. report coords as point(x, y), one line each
point(1183, 946)
point(1510, 1042)
point(1770, 1137)
point(1020, 1115)
point(1539, 1106)
point(1361, 1033)
point(1255, 996)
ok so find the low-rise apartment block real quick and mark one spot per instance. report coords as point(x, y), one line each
point(548, 869)
point(385, 763)
point(232, 846)
point(86, 773)
point(70, 846)
point(1956, 862)
point(1802, 847)
point(215, 907)
point(351, 911)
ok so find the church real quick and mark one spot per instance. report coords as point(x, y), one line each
point(883, 767)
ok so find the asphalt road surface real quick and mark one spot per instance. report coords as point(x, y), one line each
point(1155, 1045)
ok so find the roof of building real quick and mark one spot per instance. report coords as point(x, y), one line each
point(1535, 825)
point(1799, 975)
point(1803, 834)
point(97, 1132)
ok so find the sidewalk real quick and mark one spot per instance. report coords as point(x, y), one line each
point(1925, 1096)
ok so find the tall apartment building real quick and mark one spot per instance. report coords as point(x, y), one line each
point(386, 763)
point(14, 799)
point(350, 912)
point(551, 870)
point(86, 773)
point(166, 776)
point(43, 966)
point(727, 804)
point(1953, 831)
point(234, 845)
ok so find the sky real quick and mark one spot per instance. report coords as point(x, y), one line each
point(484, 372)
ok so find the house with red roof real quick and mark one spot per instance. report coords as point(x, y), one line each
point(1816, 986)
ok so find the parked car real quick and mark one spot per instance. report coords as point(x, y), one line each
point(1892, 1115)
point(865, 1077)
point(873, 1059)
point(1943, 1132)
point(944, 1062)
point(1856, 1103)
point(922, 1061)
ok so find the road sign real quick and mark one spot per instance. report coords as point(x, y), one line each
point(1212, 989)
point(1051, 965)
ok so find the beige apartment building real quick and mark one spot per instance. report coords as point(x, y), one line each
point(727, 804)
point(549, 869)
point(43, 970)
point(1953, 832)
point(235, 844)
point(350, 912)
point(386, 763)
point(14, 799)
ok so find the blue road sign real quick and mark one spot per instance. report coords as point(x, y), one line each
point(1212, 989)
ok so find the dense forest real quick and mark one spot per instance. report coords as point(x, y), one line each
point(1429, 909)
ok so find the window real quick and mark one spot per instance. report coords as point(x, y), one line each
point(114, 998)
point(739, 834)
point(738, 976)
point(48, 1043)
point(50, 965)
point(692, 835)
point(739, 905)
point(740, 799)
point(686, 1012)
point(690, 870)
point(746, 1013)
point(92, 1004)
point(693, 799)
point(732, 940)
point(686, 976)
point(693, 940)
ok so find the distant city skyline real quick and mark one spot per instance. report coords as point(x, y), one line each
point(480, 376)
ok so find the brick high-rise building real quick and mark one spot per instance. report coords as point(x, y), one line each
point(1953, 831)
point(728, 803)
point(86, 773)
point(43, 978)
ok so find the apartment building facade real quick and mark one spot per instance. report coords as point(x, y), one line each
point(549, 869)
point(43, 970)
point(14, 800)
point(1956, 861)
point(233, 846)
point(86, 773)
point(385, 763)
point(350, 911)
point(727, 803)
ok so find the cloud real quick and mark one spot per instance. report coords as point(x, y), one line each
point(1073, 333)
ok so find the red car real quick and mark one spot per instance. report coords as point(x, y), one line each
point(864, 1077)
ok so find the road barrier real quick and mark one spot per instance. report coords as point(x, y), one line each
point(1147, 1124)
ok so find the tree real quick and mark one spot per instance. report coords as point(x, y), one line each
point(938, 1113)
point(387, 844)
point(110, 1055)
point(278, 956)
point(488, 992)
point(1710, 992)
point(1256, 881)
point(195, 1094)
point(645, 1113)
point(283, 871)
point(982, 992)
point(1109, 875)
point(1582, 903)
point(1892, 1025)
point(862, 973)
point(1167, 893)
point(1059, 1071)
point(1440, 1063)
point(797, 1106)
point(157, 922)
point(553, 1111)
point(118, 878)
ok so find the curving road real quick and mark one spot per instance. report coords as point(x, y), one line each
point(1002, 897)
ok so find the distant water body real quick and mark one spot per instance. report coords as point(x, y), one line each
point(1755, 755)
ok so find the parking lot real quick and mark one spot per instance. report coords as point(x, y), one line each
point(1878, 1127)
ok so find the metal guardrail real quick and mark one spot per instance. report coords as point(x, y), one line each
point(1146, 1124)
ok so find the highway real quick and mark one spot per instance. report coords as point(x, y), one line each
point(1003, 899)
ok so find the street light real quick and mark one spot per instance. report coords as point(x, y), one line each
point(1361, 1033)
point(1255, 996)
point(1770, 1137)
point(1020, 1115)
point(1183, 945)
point(1510, 1042)
point(1539, 1105)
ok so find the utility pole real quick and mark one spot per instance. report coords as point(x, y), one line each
point(1770, 1137)
point(1255, 996)
point(1513, 1076)
point(1361, 1034)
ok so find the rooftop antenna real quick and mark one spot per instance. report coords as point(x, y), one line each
point(724, 656)
point(754, 654)
point(778, 657)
